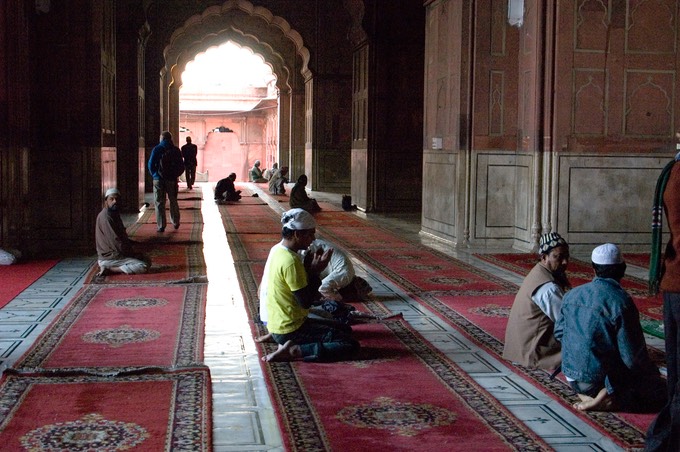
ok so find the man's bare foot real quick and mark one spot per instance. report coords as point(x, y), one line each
point(285, 352)
point(103, 271)
point(603, 401)
point(264, 338)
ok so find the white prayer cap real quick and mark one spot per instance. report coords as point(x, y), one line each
point(111, 192)
point(607, 254)
point(298, 220)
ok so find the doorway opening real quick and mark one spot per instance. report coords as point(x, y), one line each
point(229, 108)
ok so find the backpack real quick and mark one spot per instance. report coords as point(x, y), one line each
point(171, 165)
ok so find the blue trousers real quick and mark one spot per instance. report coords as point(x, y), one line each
point(321, 342)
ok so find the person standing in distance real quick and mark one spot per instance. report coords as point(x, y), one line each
point(189, 152)
point(165, 180)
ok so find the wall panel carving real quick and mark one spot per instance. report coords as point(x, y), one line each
point(439, 189)
point(496, 102)
point(651, 27)
point(502, 198)
point(590, 22)
point(499, 11)
point(649, 103)
point(587, 210)
point(589, 114)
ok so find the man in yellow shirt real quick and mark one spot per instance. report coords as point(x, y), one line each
point(292, 287)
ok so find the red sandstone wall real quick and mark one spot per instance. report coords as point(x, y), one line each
point(221, 153)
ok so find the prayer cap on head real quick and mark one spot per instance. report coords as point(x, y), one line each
point(607, 254)
point(298, 220)
point(550, 241)
point(111, 192)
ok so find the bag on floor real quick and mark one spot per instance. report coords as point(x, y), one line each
point(346, 202)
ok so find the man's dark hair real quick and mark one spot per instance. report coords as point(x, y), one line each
point(612, 271)
point(287, 233)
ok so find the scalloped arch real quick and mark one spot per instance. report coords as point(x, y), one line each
point(200, 31)
point(271, 58)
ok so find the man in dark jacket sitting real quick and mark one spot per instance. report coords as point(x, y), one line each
point(226, 191)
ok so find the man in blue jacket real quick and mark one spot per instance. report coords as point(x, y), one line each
point(165, 181)
point(604, 354)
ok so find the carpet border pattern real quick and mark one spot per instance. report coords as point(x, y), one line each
point(189, 347)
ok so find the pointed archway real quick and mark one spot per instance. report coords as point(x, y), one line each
point(231, 115)
point(276, 42)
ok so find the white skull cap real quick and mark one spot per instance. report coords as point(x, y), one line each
point(298, 220)
point(607, 254)
point(111, 192)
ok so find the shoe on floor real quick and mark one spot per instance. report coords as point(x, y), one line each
point(176, 226)
point(160, 230)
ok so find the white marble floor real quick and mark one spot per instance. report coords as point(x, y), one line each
point(243, 417)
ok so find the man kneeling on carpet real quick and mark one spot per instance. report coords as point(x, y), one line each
point(529, 339)
point(604, 354)
point(339, 283)
point(114, 247)
point(292, 288)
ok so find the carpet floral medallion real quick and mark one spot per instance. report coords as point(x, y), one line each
point(113, 329)
point(144, 412)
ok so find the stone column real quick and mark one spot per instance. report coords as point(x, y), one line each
point(130, 123)
point(296, 160)
point(285, 113)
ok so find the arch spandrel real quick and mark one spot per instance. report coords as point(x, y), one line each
point(270, 57)
point(272, 31)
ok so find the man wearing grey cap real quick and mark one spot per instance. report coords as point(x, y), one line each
point(529, 339)
point(604, 354)
point(114, 247)
point(289, 288)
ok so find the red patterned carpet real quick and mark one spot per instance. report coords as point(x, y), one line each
point(147, 412)
point(346, 232)
point(363, 404)
point(252, 247)
point(186, 216)
point(112, 329)
point(169, 263)
point(145, 230)
point(419, 269)
point(250, 219)
point(16, 278)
